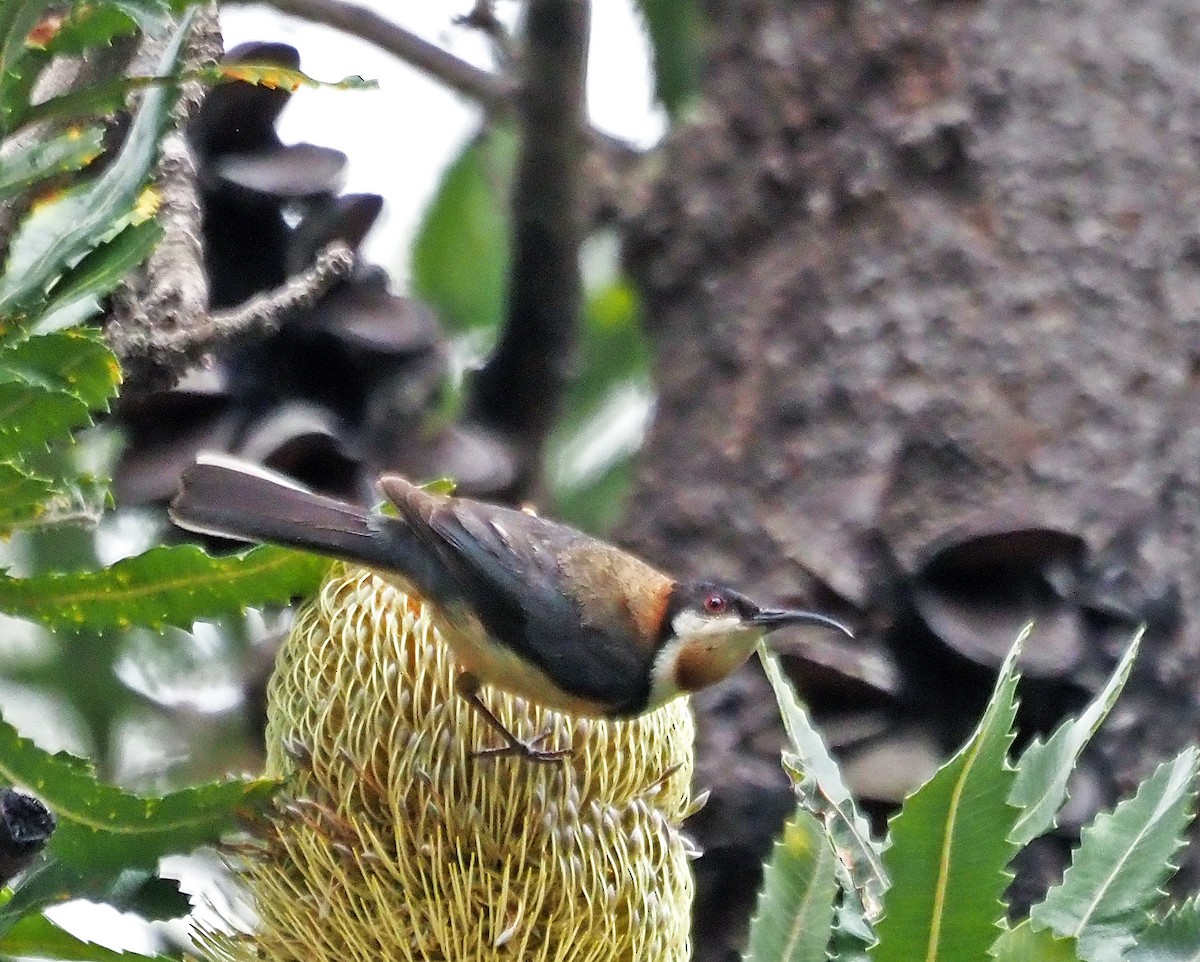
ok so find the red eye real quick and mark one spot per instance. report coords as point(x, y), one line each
point(714, 604)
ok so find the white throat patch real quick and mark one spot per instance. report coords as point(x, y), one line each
point(690, 624)
point(719, 644)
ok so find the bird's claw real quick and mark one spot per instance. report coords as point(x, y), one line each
point(528, 750)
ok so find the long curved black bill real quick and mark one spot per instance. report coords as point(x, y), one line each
point(771, 618)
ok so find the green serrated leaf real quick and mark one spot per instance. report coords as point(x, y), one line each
point(87, 25)
point(1025, 944)
point(97, 23)
point(1045, 768)
point(794, 917)
point(31, 416)
point(22, 496)
point(95, 100)
point(104, 831)
point(848, 946)
point(266, 74)
point(17, 20)
point(1123, 858)
point(822, 789)
point(75, 362)
point(76, 297)
point(110, 96)
point(950, 848)
point(1173, 938)
point(460, 256)
point(675, 29)
point(47, 385)
point(36, 935)
point(151, 16)
point(16, 89)
point(33, 162)
point(174, 585)
point(73, 498)
point(60, 232)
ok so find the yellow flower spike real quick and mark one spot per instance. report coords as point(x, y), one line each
point(399, 845)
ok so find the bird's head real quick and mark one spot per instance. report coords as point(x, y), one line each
point(709, 630)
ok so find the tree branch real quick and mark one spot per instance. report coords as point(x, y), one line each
point(492, 91)
point(518, 391)
point(155, 353)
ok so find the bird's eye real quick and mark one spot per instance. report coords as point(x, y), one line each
point(714, 604)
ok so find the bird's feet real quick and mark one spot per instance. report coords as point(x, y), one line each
point(468, 688)
point(528, 750)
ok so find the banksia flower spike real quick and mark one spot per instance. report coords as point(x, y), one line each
point(395, 843)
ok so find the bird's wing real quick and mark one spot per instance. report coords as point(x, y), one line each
point(512, 563)
point(508, 568)
point(510, 556)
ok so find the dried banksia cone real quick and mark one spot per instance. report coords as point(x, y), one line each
point(395, 843)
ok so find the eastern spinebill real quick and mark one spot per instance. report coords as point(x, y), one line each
point(526, 604)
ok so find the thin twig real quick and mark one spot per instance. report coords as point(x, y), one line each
point(492, 91)
point(482, 17)
point(518, 390)
point(154, 350)
point(301, 291)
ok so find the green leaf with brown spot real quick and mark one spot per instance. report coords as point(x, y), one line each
point(32, 416)
point(75, 362)
point(18, 18)
point(22, 496)
point(30, 163)
point(60, 232)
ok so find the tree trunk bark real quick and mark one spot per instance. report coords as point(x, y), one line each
point(924, 280)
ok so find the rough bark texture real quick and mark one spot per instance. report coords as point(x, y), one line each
point(925, 283)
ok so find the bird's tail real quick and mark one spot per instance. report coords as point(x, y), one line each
point(229, 498)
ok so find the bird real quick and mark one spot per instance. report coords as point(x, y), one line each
point(527, 604)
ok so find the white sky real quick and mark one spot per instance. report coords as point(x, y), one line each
point(400, 137)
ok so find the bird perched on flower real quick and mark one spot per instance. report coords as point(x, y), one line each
point(527, 604)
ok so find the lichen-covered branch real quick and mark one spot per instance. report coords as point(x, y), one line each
point(155, 353)
point(167, 296)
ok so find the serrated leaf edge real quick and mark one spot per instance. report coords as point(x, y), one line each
point(771, 869)
point(1191, 753)
point(852, 819)
point(1092, 717)
point(1006, 682)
